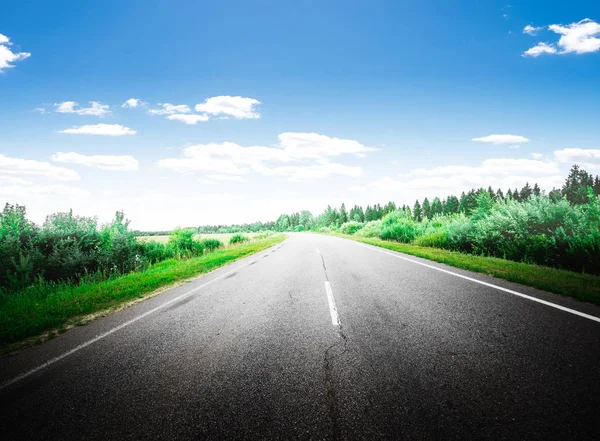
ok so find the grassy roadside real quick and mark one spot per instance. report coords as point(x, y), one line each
point(583, 287)
point(39, 313)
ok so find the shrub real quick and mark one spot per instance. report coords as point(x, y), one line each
point(212, 244)
point(237, 238)
point(182, 240)
point(350, 227)
point(439, 239)
point(399, 227)
point(324, 230)
point(371, 229)
point(155, 252)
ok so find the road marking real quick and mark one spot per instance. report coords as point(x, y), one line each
point(335, 320)
point(510, 291)
point(318, 252)
point(113, 330)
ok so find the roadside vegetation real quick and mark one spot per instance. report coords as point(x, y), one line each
point(549, 241)
point(55, 274)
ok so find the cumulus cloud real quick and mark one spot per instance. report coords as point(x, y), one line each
point(170, 109)
point(589, 158)
point(7, 56)
point(104, 162)
point(234, 106)
point(537, 155)
point(532, 30)
point(95, 109)
point(580, 38)
point(310, 151)
point(132, 103)
point(502, 139)
point(29, 167)
point(100, 129)
point(540, 49)
point(188, 119)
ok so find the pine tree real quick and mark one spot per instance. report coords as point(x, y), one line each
point(452, 205)
point(417, 212)
point(499, 194)
point(516, 196)
point(509, 194)
point(426, 209)
point(436, 207)
point(462, 206)
point(597, 185)
point(343, 216)
point(576, 185)
point(525, 192)
point(536, 189)
point(491, 192)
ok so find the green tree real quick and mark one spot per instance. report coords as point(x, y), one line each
point(343, 214)
point(452, 205)
point(426, 209)
point(536, 190)
point(576, 186)
point(417, 212)
point(436, 207)
point(526, 191)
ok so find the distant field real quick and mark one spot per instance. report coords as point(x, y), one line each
point(222, 237)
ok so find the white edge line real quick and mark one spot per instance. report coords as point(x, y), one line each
point(318, 252)
point(510, 291)
point(113, 330)
point(335, 320)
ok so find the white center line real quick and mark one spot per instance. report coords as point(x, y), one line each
point(335, 320)
point(491, 285)
point(318, 252)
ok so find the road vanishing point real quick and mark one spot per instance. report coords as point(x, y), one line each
point(318, 338)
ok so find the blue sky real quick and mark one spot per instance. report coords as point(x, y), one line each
point(300, 104)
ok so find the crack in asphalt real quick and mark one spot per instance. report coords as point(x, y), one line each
point(328, 359)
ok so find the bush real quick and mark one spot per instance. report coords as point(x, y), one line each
point(238, 238)
point(399, 227)
point(324, 230)
point(155, 252)
point(371, 229)
point(182, 240)
point(211, 244)
point(439, 239)
point(350, 227)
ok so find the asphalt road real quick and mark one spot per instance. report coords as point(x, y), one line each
point(258, 350)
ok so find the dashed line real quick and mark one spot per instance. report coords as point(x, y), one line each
point(335, 320)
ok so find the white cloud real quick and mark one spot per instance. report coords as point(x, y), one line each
point(539, 49)
point(222, 177)
point(132, 103)
point(41, 191)
point(235, 106)
point(100, 129)
point(7, 56)
point(493, 166)
point(188, 119)
point(170, 109)
point(95, 109)
point(537, 155)
point(580, 37)
point(513, 147)
point(532, 30)
point(40, 109)
point(589, 158)
point(310, 172)
point(30, 167)
point(502, 139)
point(501, 173)
point(104, 162)
point(310, 149)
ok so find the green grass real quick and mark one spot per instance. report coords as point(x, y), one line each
point(581, 286)
point(54, 307)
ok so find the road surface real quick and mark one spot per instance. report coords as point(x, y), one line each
point(318, 338)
